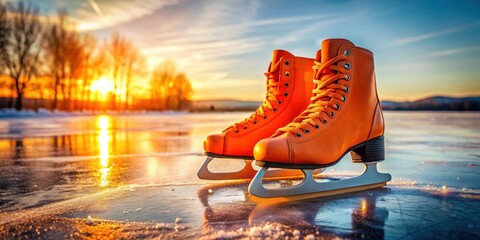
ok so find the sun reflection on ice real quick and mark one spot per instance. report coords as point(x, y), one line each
point(364, 207)
point(152, 168)
point(104, 123)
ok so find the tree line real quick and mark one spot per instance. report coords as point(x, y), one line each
point(53, 66)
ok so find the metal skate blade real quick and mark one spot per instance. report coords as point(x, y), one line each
point(309, 187)
point(247, 172)
point(301, 197)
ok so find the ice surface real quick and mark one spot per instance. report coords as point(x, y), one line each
point(134, 175)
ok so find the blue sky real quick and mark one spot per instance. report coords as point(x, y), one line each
point(421, 48)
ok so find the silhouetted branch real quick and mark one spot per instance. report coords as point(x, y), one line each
point(21, 47)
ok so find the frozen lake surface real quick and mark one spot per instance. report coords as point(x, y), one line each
point(134, 176)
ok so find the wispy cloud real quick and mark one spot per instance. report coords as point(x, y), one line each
point(225, 28)
point(102, 14)
point(323, 23)
point(404, 67)
point(203, 47)
point(210, 41)
point(453, 51)
point(426, 36)
point(214, 30)
point(315, 27)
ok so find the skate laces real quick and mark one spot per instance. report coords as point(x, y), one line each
point(272, 92)
point(325, 78)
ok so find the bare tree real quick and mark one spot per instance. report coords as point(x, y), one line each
point(161, 83)
point(98, 68)
point(5, 31)
point(127, 64)
point(183, 90)
point(118, 47)
point(70, 55)
point(55, 46)
point(132, 61)
point(135, 66)
point(21, 50)
point(168, 87)
point(75, 55)
point(89, 65)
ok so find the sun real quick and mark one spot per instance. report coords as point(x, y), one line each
point(102, 85)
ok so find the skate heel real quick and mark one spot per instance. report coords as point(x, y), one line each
point(372, 150)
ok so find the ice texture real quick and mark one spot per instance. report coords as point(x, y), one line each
point(133, 175)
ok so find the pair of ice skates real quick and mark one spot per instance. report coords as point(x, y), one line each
point(309, 125)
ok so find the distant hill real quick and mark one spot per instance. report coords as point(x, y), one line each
point(224, 105)
point(435, 103)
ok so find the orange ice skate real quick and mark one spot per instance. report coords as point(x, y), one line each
point(344, 116)
point(289, 88)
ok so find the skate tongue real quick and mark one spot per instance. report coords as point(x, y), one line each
point(278, 53)
point(330, 48)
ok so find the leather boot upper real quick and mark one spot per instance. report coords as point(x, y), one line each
point(344, 110)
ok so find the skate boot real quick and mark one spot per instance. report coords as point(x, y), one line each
point(289, 88)
point(344, 116)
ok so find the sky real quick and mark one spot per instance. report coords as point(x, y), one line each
point(421, 48)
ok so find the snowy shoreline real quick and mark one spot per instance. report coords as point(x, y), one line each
point(42, 112)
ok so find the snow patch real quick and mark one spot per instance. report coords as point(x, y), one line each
point(89, 220)
point(297, 233)
point(310, 237)
point(268, 231)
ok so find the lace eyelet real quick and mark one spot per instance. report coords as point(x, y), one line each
point(279, 102)
point(346, 52)
point(265, 117)
point(285, 94)
point(246, 127)
point(346, 89)
point(236, 131)
point(325, 121)
point(299, 135)
point(287, 74)
point(306, 131)
point(287, 84)
point(347, 66)
point(337, 106)
point(331, 115)
point(287, 63)
point(317, 126)
point(347, 77)
point(344, 99)
point(275, 109)
point(255, 122)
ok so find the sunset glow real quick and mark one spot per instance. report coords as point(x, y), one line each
point(103, 86)
point(224, 56)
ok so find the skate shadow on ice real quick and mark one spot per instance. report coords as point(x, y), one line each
point(355, 215)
